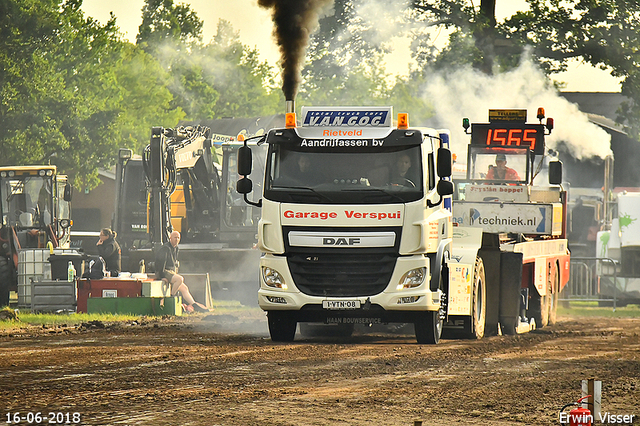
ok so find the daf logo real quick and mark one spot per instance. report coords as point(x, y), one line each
point(328, 241)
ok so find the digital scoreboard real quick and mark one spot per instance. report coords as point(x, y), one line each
point(509, 134)
point(508, 128)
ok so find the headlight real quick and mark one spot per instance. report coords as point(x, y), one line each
point(272, 278)
point(412, 278)
point(65, 223)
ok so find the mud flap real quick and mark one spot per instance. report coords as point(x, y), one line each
point(510, 295)
point(491, 258)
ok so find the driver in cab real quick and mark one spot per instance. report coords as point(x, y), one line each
point(500, 171)
point(402, 166)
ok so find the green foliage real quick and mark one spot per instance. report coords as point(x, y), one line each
point(221, 79)
point(73, 91)
point(163, 23)
point(591, 309)
point(67, 91)
point(33, 319)
point(344, 64)
point(602, 33)
point(245, 85)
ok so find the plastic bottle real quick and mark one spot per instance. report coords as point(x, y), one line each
point(142, 267)
point(71, 272)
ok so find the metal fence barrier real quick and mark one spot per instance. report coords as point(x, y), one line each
point(585, 280)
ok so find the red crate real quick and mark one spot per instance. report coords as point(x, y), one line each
point(106, 287)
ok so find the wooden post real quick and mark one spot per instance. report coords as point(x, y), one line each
point(594, 388)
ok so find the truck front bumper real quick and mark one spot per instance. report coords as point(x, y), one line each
point(393, 304)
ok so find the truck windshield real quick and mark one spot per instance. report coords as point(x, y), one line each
point(392, 175)
point(505, 165)
point(26, 201)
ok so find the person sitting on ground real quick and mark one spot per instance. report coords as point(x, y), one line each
point(167, 268)
point(500, 171)
point(110, 251)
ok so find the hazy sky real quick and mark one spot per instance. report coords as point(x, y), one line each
point(254, 27)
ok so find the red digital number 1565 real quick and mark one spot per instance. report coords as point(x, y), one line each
point(512, 137)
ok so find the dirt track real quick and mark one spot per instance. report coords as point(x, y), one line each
point(199, 371)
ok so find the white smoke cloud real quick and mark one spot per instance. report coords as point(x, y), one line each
point(469, 93)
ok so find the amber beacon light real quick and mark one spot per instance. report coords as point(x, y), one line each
point(290, 120)
point(403, 120)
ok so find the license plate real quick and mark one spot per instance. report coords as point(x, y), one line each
point(341, 304)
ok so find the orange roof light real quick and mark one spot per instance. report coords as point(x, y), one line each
point(403, 120)
point(540, 113)
point(241, 138)
point(290, 120)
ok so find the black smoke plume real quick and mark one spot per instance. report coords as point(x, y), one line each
point(294, 21)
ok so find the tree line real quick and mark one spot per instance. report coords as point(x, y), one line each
point(73, 90)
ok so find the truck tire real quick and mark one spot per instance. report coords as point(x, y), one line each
point(475, 325)
point(7, 277)
point(428, 327)
point(554, 296)
point(282, 326)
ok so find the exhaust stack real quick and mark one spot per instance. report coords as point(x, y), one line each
point(290, 106)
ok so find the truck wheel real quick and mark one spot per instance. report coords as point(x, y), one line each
point(474, 327)
point(554, 296)
point(282, 326)
point(6, 278)
point(428, 327)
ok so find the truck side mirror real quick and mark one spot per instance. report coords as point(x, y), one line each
point(244, 186)
point(67, 192)
point(444, 188)
point(444, 162)
point(244, 161)
point(555, 172)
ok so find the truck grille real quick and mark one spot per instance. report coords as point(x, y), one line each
point(338, 275)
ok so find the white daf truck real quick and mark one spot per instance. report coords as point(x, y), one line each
point(353, 227)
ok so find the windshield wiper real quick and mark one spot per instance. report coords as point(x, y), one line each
point(390, 194)
point(305, 188)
